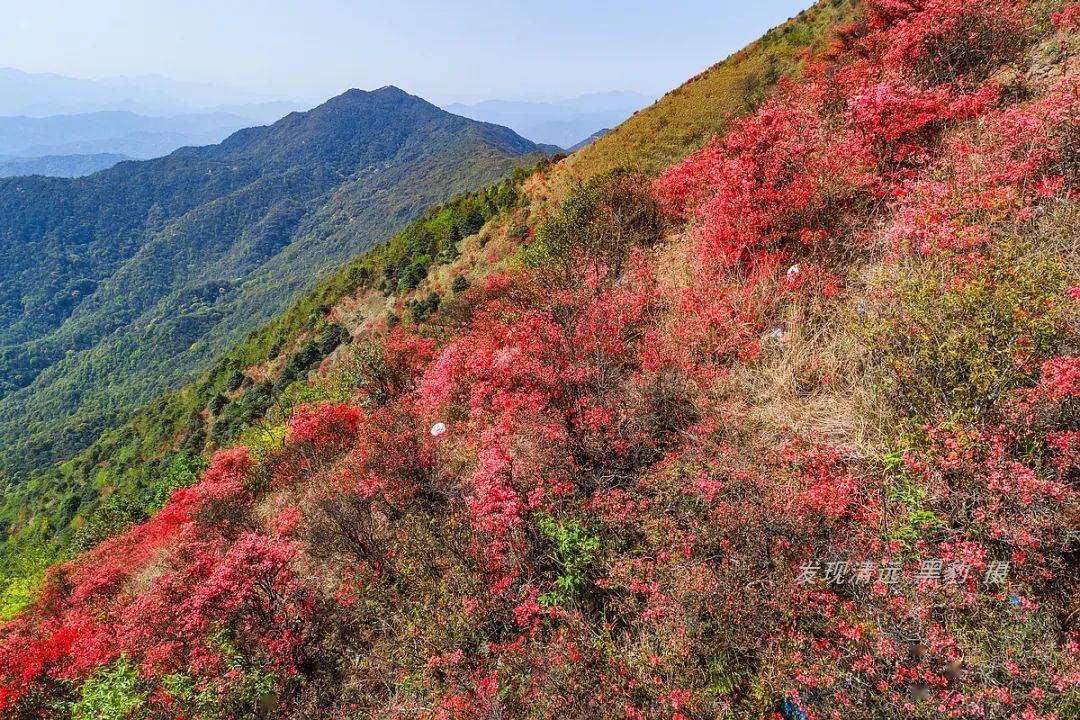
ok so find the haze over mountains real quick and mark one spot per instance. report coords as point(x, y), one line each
point(116, 131)
point(75, 145)
point(44, 94)
point(67, 127)
point(565, 122)
point(62, 126)
point(124, 283)
point(58, 165)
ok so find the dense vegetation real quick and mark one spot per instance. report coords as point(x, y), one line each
point(118, 286)
point(129, 471)
point(791, 431)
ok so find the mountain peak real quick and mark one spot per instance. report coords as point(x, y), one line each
point(351, 124)
point(388, 97)
point(386, 92)
point(390, 90)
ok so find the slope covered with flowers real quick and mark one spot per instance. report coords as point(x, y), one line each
point(790, 432)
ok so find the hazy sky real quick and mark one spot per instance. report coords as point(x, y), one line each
point(447, 50)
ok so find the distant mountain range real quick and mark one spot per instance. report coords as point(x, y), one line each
point(589, 140)
point(118, 132)
point(68, 166)
point(122, 284)
point(44, 94)
point(564, 123)
point(67, 127)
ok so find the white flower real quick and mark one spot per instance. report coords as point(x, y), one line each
point(775, 334)
point(438, 429)
point(793, 270)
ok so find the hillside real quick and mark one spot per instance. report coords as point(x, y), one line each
point(128, 471)
point(685, 118)
point(787, 427)
point(591, 139)
point(55, 503)
point(125, 283)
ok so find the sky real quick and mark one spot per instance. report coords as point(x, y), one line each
point(447, 51)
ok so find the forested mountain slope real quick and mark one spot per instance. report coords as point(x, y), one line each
point(790, 431)
point(120, 285)
point(129, 471)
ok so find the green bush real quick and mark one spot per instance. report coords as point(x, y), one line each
point(22, 570)
point(112, 514)
point(420, 310)
point(111, 693)
point(953, 339)
point(572, 549)
point(597, 225)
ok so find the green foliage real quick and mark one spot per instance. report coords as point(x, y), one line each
point(134, 503)
point(111, 693)
point(459, 285)
point(23, 565)
point(419, 310)
point(724, 678)
point(436, 237)
point(112, 514)
point(916, 520)
point(599, 222)
point(253, 696)
point(368, 371)
point(955, 339)
point(189, 252)
point(181, 470)
point(165, 445)
point(572, 549)
point(258, 688)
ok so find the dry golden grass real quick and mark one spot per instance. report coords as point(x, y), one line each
point(815, 382)
point(821, 380)
point(685, 118)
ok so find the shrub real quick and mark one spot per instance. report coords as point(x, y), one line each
point(944, 40)
point(324, 430)
point(420, 310)
point(567, 500)
point(111, 693)
point(572, 550)
point(594, 229)
point(957, 338)
point(115, 512)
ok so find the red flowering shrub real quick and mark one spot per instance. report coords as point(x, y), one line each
point(326, 429)
point(560, 498)
point(1059, 380)
point(781, 178)
point(946, 40)
point(1068, 18)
